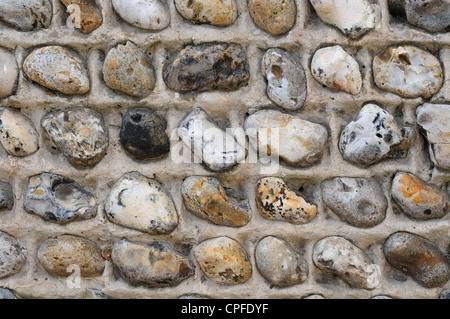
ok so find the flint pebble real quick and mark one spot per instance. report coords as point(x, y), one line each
point(58, 199)
point(211, 145)
point(62, 255)
point(286, 80)
point(6, 196)
point(338, 256)
point(26, 15)
point(433, 120)
point(374, 136)
point(79, 133)
point(408, 71)
point(336, 69)
point(127, 69)
point(273, 16)
point(418, 199)
point(138, 202)
point(9, 73)
point(277, 201)
point(18, 134)
point(150, 15)
point(279, 263)
point(223, 260)
point(151, 265)
point(207, 67)
point(13, 255)
point(418, 258)
point(85, 14)
point(296, 141)
point(220, 13)
point(358, 201)
point(207, 198)
point(57, 69)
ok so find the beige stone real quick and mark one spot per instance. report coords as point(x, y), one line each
point(274, 16)
point(220, 13)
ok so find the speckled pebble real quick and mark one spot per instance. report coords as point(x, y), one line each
point(13, 255)
point(143, 134)
point(138, 202)
point(336, 69)
point(153, 15)
point(223, 260)
point(408, 71)
point(274, 16)
point(9, 73)
point(127, 69)
point(6, 196)
point(57, 69)
point(212, 146)
point(298, 142)
point(151, 265)
point(418, 258)
point(354, 18)
point(207, 198)
point(359, 201)
point(279, 263)
point(340, 257)
point(445, 294)
point(62, 255)
point(85, 14)
point(374, 136)
point(418, 199)
point(26, 15)
point(18, 134)
point(7, 294)
point(433, 120)
point(286, 80)
point(79, 133)
point(58, 199)
point(220, 13)
point(277, 201)
point(207, 67)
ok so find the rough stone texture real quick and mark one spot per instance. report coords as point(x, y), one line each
point(9, 73)
point(220, 13)
point(207, 198)
point(277, 201)
point(279, 263)
point(339, 256)
point(151, 265)
point(85, 14)
point(63, 255)
point(128, 70)
point(445, 294)
point(274, 16)
point(55, 68)
point(228, 109)
point(434, 122)
point(359, 201)
point(408, 71)
point(6, 196)
point(18, 134)
point(206, 67)
point(95, 294)
point(143, 135)
point(26, 15)
point(296, 141)
point(418, 258)
point(58, 199)
point(354, 18)
point(216, 149)
point(286, 80)
point(13, 255)
point(151, 15)
point(7, 294)
point(418, 199)
point(223, 260)
point(141, 203)
point(335, 68)
point(78, 133)
point(374, 136)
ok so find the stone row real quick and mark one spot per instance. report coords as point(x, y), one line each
point(138, 202)
point(82, 136)
point(276, 17)
point(405, 70)
point(225, 261)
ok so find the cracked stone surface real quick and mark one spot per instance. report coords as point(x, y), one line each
point(26, 15)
